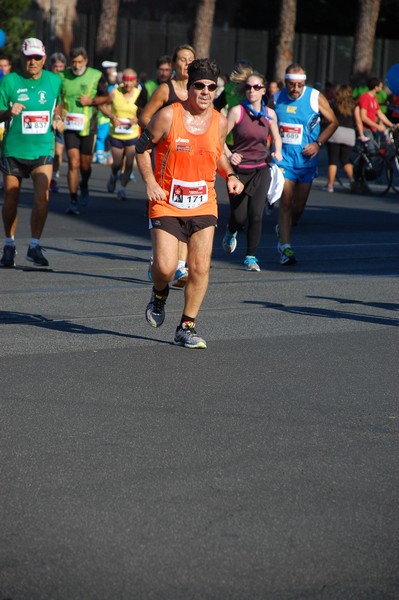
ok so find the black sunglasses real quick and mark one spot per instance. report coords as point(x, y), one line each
point(35, 57)
point(198, 85)
point(256, 87)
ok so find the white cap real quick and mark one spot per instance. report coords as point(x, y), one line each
point(109, 64)
point(33, 47)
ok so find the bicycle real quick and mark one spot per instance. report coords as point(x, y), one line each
point(372, 169)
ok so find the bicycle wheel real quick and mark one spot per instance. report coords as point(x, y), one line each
point(378, 179)
point(395, 173)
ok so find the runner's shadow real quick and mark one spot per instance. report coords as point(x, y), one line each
point(65, 326)
point(383, 305)
point(313, 311)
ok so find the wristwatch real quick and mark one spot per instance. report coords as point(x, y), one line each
point(319, 143)
point(232, 175)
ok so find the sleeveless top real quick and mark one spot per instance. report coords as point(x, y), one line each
point(299, 125)
point(250, 139)
point(125, 108)
point(80, 119)
point(185, 168)
point(30, 134)
point(173, 97)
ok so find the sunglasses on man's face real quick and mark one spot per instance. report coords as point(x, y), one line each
point(35, 57)
point(127, 78)
point(198, 85)
point(255, 87)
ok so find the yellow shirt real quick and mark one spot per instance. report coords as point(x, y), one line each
point(125, 108)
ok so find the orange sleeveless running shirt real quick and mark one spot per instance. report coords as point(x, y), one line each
point(185, 168)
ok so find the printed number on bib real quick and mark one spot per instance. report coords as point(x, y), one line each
point(291, 133)
point(125, 127)
point(35, 121)
point(74, 121)
point(188, 194)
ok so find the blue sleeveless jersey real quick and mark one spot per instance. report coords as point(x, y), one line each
point(299, 125)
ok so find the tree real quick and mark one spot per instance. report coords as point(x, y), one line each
point(15, 28)
point(61, 14)
point(362, 62)
point(203, 27)
point(285, 37)
point(106, 33)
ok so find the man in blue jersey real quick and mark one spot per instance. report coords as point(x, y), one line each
point(299, 109)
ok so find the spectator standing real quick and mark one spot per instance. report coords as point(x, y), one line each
point(373, 119)
point(340, 145)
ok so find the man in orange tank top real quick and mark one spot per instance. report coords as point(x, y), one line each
point(189, 138)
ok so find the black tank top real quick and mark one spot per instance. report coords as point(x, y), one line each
point(173, 97)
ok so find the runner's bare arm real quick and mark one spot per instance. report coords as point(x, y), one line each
point(157, 129)
point(234, 185)
point(156, 102)
point(232, 118)
point(277, 143)
point(327, 112)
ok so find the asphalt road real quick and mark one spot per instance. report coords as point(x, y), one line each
point(265, 467)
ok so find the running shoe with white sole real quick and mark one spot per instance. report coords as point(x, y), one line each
point(8, 259)
point(188, 337)
point(155, 311)
point(73, 209)
point(251, 263)
point(229, 242)
point(287, 255)
point(180, 278)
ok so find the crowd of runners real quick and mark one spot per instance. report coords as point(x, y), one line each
point(182, 127)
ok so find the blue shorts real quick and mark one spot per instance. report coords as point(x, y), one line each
point(296, 175)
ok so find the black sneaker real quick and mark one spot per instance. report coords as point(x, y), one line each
point(8, 259)
point(73, 209)
point(35, 255)
point(84, 196)
point(155, 311)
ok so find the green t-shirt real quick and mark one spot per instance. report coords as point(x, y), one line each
point(81, 119)
point(30, 134)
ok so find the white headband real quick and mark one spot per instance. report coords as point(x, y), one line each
point(295, 76)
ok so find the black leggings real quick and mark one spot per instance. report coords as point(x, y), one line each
point(249, 206)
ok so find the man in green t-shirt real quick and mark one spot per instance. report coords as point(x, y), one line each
point(83, 88)
point(30, 108)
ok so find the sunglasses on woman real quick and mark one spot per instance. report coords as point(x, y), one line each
point(255, 87)
point(198, 85)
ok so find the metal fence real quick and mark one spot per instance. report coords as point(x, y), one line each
point(139, 43)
